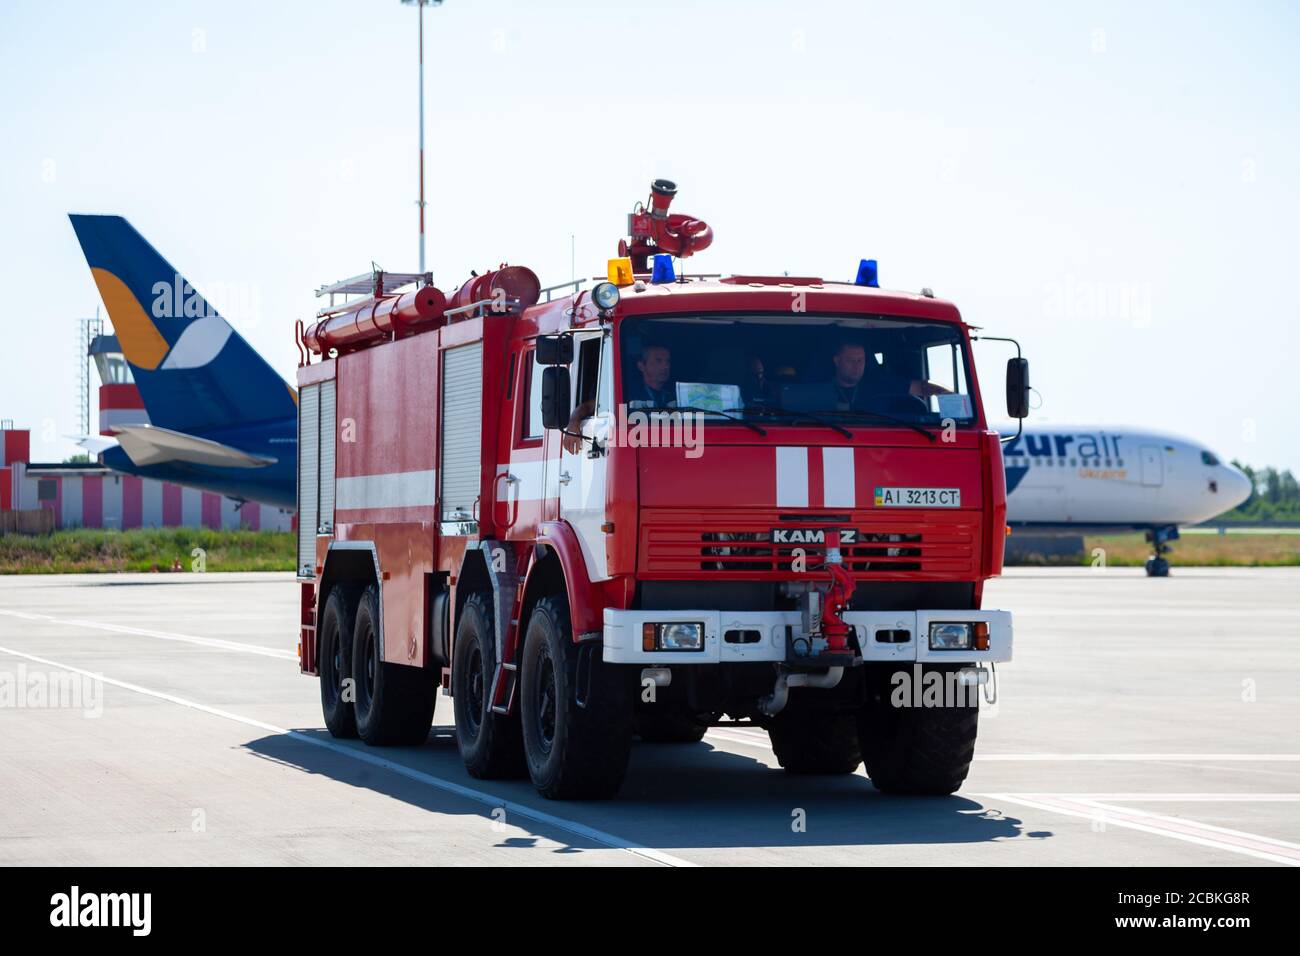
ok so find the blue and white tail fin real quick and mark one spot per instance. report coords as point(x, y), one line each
point(195, 373)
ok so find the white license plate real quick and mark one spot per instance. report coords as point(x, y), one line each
point(918, 497)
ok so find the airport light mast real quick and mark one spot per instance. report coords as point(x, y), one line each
point(421, 4)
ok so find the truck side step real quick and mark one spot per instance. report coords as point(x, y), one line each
point(503, 688)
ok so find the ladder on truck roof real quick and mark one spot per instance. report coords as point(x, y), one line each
point(372, 285)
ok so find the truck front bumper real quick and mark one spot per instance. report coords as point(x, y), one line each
point(729, 636)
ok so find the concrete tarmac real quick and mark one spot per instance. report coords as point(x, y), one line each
point(160, 719)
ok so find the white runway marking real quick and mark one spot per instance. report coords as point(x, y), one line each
point(1144, 758)
point(1174, 797)
point(1195, 613)
point(1177, 828)
point(159, 635)
point(758, 738)
point(478, 796)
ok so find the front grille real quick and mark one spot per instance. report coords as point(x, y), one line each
point(753, 551)
point(926, 542)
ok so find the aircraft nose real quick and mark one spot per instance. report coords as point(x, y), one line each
point(1235, 486)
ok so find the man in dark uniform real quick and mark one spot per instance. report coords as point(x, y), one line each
point(859, 384)
point(653, 390)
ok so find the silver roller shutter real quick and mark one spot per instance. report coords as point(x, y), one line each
point(462, 428)
point(328, 430)
point(308, 476)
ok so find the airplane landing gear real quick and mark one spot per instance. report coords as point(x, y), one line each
point(1158, 564)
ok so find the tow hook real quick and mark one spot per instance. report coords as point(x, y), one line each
point(775, 702)
point(985, 679)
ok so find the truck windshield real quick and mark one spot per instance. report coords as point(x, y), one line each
point(859, 369)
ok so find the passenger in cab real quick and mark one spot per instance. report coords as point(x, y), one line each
point(756, 388)
point(859, 383)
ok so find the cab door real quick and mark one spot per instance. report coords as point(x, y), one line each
point(581, 475)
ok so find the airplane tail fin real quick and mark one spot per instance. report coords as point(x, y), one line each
point(193, 370)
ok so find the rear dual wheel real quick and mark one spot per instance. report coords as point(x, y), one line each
point(671, 728)
point(394, 702)
point(334, 661)
point(815, 742)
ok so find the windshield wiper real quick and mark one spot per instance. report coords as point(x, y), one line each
point(889, 418)
point(710, 411)
point(789, 413)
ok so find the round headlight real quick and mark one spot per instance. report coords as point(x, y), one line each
point(605, 295)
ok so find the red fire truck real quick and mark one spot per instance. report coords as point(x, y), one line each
point(648, 506)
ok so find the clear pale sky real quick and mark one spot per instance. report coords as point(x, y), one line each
point(1115, 184)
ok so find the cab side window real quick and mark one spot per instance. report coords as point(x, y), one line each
point(588, 362)
point(533, 389)
point(605, 385)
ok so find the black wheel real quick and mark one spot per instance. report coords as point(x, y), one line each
point(334, 661)
point(809, 741)
point(394, 702)
point(916, 749)
point(576, 710)
point(672, 728)
point(489, 743)
point(1157, 567)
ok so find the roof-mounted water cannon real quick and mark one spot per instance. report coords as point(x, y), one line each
point(653, 229)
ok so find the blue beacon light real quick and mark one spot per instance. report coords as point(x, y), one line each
point(662, 271)
point(867, 274)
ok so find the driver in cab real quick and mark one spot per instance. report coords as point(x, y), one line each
point(653, 390)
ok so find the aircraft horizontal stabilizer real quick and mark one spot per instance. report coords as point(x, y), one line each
point(94, 444)
point(151, 445)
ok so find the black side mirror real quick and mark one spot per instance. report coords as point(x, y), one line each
point(555, 395)
point(554, 349)
point(1018, 387)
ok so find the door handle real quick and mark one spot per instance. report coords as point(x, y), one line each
point(565, 477)
point(510, 480)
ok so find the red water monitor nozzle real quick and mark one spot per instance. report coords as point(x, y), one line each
point(652, 229)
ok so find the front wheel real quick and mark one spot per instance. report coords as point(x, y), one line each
point(576, 711)
point(912, 748)
point(489, 742)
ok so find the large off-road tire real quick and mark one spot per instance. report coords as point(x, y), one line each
point(334, 660)
point(490, 744)
point(394, 702)
point(916, 750)
point(810, 741)
point(576, 710)
point(670, 728)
